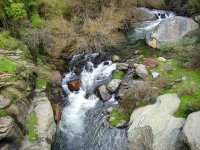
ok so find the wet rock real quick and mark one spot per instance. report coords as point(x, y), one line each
point(141, 71)
point(154, 127)
point(115, 58)
point(104, 93)
point(113, 85)
point(57, 113)
point(175, 27)
point(121, 124)
point(109, 110)
point(122, 66)
point(197, 18)
point(4, 102)
point(191, 131)
point(155, 74)
point(8, 129)
point(56, 77)
point(74, 85)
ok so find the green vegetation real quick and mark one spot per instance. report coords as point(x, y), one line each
point(36, 21)
point(117, 74)
point(32, 133)
point(16, 11)
point(9, 43)
point(188, 89)
point(118, 115)
point(2, 112)
point(41, 81)
point(7, 65)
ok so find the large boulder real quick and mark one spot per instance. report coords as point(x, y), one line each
point(191, 131)
point(113, 85)
point(170, 30)
point(104, 93)
point(153, 127)
point(45, 126)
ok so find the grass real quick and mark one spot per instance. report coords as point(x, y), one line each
point(118, 114)
point(32, 134)
point(2, 112)
point(117, 74)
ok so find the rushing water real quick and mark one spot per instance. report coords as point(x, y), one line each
point(82, 125)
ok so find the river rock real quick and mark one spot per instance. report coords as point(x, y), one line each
point(113, 85)
point(155, 74)
point(162, 59)
point(115, 58)
point(170, 30)
point(104, 93)
point(197, 18)
point(4, 102)
point(8, 129)
point(142, 71)
point(58, 113)
point(109, 110)
point(121, 124)
point(74, 85)
point(154, 127)
point(191, 131)
point(122, 66)
point(144, 14)
point(151, 62)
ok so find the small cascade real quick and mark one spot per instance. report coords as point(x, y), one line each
point(83, 116)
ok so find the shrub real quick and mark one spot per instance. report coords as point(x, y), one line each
point(16, 11)
point(192, 107)
point(36, 21)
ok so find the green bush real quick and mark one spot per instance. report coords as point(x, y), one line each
point(2, 112)
point(16, 11)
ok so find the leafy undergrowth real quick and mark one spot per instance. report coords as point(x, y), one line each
point(117, 74)
point(32, 134)
point(118, 114)
point(188, 89)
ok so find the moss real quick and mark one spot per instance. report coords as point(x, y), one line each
point(36, 21)
point(32, 134)
point(118, 74)
point(41, 81)
point(119, 114)
point(2, 112)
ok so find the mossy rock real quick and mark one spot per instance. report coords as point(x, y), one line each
point(32, 131)
point(118, 74)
